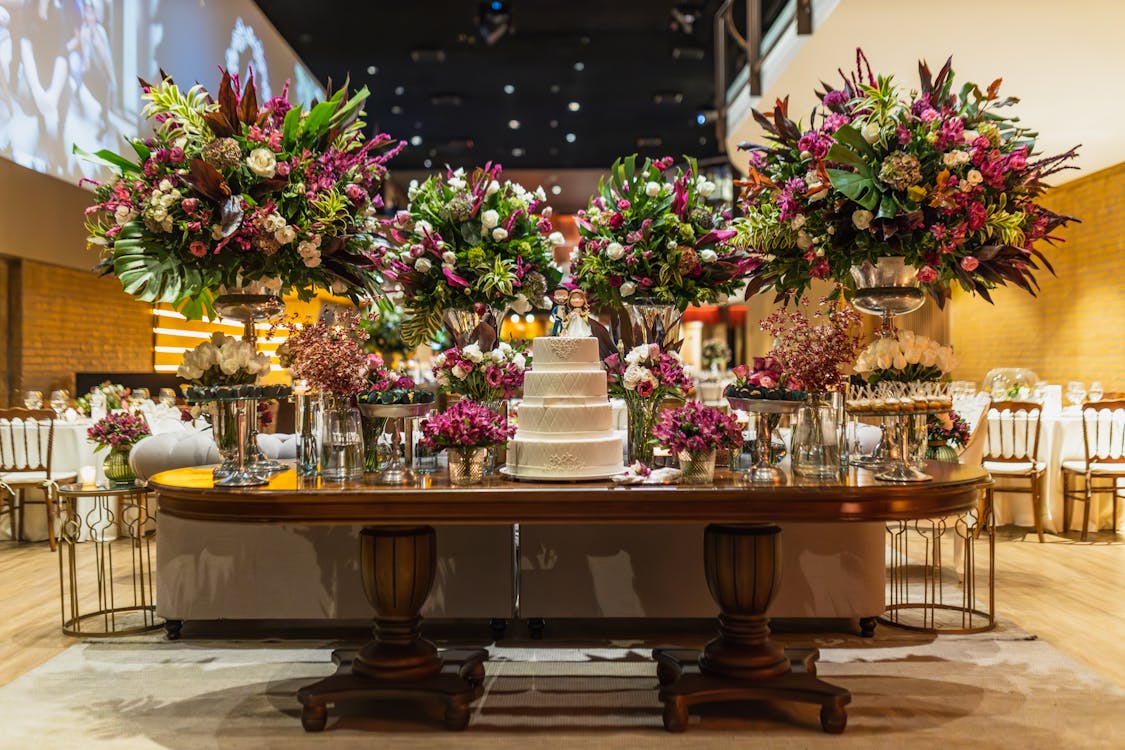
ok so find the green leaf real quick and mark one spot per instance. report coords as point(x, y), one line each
point(860, 188)
point(888, 209)
point(844, 155)
point(852, 138)
point(106, 158)
point(290, 126)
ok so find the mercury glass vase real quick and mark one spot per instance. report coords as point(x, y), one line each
point(466, 465)
point(697, 467)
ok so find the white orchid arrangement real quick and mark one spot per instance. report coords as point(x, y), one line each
point(905, 358)
point(224, 360)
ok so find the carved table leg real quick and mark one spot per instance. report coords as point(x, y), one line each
point(398, 566)
point(742, 564)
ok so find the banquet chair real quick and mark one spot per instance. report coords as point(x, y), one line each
point(27, 439)
point(1011, 453)
point(1103, 467)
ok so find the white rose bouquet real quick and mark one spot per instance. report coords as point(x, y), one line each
point(224, 360)
point(906, 358)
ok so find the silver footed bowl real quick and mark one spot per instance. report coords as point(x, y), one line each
point(764, 405)
point(887, 286)
point(393, 411)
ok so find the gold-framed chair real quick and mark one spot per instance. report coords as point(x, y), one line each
point(27, 439)
point(1011, 454)
point(1103, 468)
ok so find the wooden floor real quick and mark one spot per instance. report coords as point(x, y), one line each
point(1068, 593)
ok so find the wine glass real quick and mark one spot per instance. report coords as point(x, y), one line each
point(1096, 391)
point(33, 399)
point(139, 395)
point(59, 400)
point(167, 397)
point(1075, 392)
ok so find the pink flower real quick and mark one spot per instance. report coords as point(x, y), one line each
point(190, 205)
point(623, 204)
point(198, 249)
point(494, 377)
point(644, 388)
point(927, 274)
point(978, 215)
point(617, 220)
point(741, 372)
point(969, 263)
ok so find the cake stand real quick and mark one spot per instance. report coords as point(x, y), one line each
point(763, 471)
point(900, 469)
point(398, 471)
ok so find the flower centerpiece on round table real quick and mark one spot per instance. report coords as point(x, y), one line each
point(936, 175)
point(118, 432)
point(694, 432)
point(715, 355)
point(649, 241)
point(228, 191)
point(113, 397)
point(645, 378)
point(467, 430)
point(469, 243)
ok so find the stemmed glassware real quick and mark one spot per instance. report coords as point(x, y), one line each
point(1096, 391)
point(167, 397)
point(33, 399)
point(1075, 392)
point(59, 400)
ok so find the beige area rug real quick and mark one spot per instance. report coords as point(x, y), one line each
point(998, 689)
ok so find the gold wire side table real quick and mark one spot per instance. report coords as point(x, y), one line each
point(106, 544)
point(927, 594)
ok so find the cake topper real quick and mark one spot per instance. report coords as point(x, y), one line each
point(559, 311)
point(578, 315)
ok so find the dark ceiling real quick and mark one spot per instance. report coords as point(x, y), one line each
point(640, 81)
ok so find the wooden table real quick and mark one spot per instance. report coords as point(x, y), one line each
point(741, 561)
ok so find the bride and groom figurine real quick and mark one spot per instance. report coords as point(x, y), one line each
point(571, 314)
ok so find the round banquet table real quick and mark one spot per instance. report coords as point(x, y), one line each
point(397, 557)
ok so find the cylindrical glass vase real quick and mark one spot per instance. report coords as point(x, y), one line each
point(466, 465)
point(341, 445)
point(818, 445)
point(308, 434)
point(642, 417)
point(697, 467)
point(224, 431)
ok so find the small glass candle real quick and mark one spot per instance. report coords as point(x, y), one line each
point(87, 475)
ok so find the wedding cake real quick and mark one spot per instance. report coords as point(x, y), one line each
point(565, 419)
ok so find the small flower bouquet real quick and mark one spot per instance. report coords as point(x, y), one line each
point(647, 372)
point(695, 428)
point(935, 174)
point(480, 375)
point(465, 424)
point(905, 358)
point(948, 429)
point(645, 238)
point(715, 353)
point(767, 380)
point(813, 347)
point(469, 240)
point(118, 431)
point(115, 397)
point(229, 191)
point(328, 354)
point(224, 360)
point(385, 386)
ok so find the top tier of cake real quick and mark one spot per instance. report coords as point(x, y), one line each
point(554, 353)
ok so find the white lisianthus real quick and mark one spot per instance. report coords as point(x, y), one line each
point(273, 222)
point(412, 190)
point(614, 251)
point(974, 177)
point(473, 353)
point(708, 256)
point(285, 235)
point(955, 158)
point(338, 286)
point(634, 374)
point(449, 258)
point(573, 254)
point(159, 214)
point(540, 193)
point(273, 283)
point(123, 215)
point(636, 354)
point(499, 234)
point(520, 305)
point(671, 245)
point(496, 356)
point(652, 189)
point(439, 360)
point(862, 218)
point(261, 162)
point(443, 379)
point(870, 132)
point(520, 361)
point(489, 219)
point(167, 200)
point(493, 188)
point(627, 289)
point(423, 227)
point(312, 261)
point(504, 348)
point(164, 186)
point(457, 183)
point(556, 239)
point(804, 240)
point(459, 372)
point(706, 188)
point(422, 265)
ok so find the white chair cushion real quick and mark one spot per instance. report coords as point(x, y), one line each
point(280, 446)
point(172, 450)
point(1079, 465)
point(1012, 468)
point(35, 477)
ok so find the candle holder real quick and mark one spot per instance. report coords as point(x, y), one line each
point(399, 467)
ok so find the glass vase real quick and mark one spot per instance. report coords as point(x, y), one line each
point(117, 469)
point(307, 408)
point(938, 450)
point(374, 450)
point(341, 444)
point(651, 322)
point(817, 451)
point(224, 431)
point(697, 467)
point(464, 324)
point(642, 414)
point(466, 465)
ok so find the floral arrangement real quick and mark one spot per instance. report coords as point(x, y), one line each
point(480, 375)
point(813, 347)
point(228, 191)
point(328, 354)
point(695, 428)
point(936, 175)
point(465, 240)
point(904, 358)
point(644, 237)
point(647, 372)
point(767, 379)
point(715, 352)
point(465, 424)
point(385, 386)
point(949, 429)
point(224, 360)
point(118, 431)
point(115, 397)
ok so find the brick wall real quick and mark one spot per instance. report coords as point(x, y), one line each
point(72, 321)
point(1075, 328)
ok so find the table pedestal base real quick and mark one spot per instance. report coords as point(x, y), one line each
point(684, 684)
point(457, 684)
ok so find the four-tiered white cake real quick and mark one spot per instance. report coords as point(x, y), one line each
point(565, 419)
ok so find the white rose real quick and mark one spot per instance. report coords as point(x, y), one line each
point(708, 256)
point(520, 361)
point(423, 227)
point(627, 289)
point(615, 251)
point(164, 186)
point(422, 265)
point(652, 189)
point(272, 283)
point(707, 188)
point(489, 219)
point(861, 219)
point(973, 177)
point(457, 183)
point(520, 305)
point(473, 353)
point(954, 158)
point(496, 356)
point(262, 162)
point(634, 373)
point(439, 360)
point(493, 188)
point(449, 258)
point(443, 379)
point(636, 354)
point(556, 239)
point(312, 261)
point(167, 200)
point(339, 287)
point(459, 372)
point(804, 240)
point(870, 132)
point(285, 235)
point(274, 222)
point(499, 234)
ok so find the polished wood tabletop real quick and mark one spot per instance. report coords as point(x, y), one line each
point(190, 494)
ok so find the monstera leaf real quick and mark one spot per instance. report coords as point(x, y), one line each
point(152, 273)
